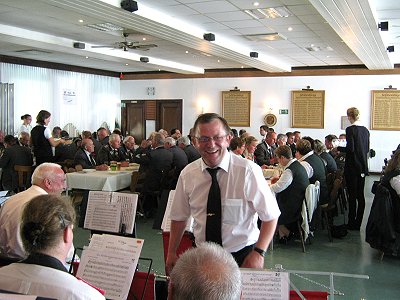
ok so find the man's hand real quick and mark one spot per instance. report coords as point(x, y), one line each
point(170, 262)
point(253, 260)
point(102, 167)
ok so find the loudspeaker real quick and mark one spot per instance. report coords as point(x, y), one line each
point(209, 37)
point(384, 26)
point(78, 45)
point(144, 59)
point(254, 54)
point(390, 49)
point(129, 5)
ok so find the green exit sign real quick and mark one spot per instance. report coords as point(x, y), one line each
point(283, 111)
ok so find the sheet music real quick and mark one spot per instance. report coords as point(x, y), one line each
point(166, 223)
point(109, 263)
point(266, 285)
point(16, 297)
point(111, 212)
point(128, 209)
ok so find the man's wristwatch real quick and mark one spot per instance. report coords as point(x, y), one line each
point(260, 251)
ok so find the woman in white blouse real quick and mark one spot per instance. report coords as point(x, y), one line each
point(26, 123)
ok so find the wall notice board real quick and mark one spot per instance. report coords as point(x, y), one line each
point(385, 110)
point(308, 108)
point(236, 107)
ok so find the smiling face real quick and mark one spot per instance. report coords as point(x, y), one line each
point(213, 150)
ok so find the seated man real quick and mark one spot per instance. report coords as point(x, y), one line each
point(206, 272)
point(14, 154)
point(179, 161)
point(264, 153)
point(128, 148)
point(314, 166)
point(48, 178)
point(64, 151)
point(24, 139)
point(191, 152)
point(111, 152)
point(84, 156)
point(290, 191)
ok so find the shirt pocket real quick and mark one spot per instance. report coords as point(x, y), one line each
point(232, 211)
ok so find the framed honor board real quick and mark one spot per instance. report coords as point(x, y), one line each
point(308, 108)
point(385, 110)
point(236, 107)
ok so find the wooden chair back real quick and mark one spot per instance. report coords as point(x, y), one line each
point(24, 176)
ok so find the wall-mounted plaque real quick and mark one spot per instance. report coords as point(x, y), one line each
point(385, 110)
point(236, 108)
point(308, 108)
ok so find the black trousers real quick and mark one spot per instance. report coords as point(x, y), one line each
point(355, 186)
point(240, 255)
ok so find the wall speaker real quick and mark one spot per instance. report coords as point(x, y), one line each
point(78, 45)
point(209, 37)
point(254, 54)
point(144, 59)
point(390, 49)
point(129, 5)
point(384, 26)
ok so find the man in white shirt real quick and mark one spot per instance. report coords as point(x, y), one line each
point(47, 178)
point(244, 194)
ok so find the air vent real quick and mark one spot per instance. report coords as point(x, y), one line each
point(105, 27)
point(269, 13)
point(318, 48)
point(33, 51)
point(265, 37)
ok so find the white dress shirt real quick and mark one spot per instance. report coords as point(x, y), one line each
point(244, 196)
point(395, 184)
point(284, 180)
point(45, 282)
point(306, 165)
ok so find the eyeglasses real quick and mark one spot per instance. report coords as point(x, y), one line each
point(206, 139)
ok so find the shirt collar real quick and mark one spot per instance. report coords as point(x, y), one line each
point(307, 155)
point(290, 162)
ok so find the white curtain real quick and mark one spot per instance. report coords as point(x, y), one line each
point(85, 100)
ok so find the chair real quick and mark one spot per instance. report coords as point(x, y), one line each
point(310, 204)
point(331, 205)
point(24, 176)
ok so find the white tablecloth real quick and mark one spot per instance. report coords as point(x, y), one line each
point(99, 180)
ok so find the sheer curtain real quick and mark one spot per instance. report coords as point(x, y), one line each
point(85, 100)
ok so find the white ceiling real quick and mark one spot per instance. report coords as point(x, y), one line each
point(344, 32)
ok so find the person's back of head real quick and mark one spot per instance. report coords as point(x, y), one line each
point(43, 222)
point(303, 147)
point(184, 140)
point(10, 140)
point(206, 272)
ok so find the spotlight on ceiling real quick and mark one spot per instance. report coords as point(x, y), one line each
point(390, 49)
point(209, 37)
point(384, 26)
point(254, 54)
point(144, 59)
point(129, 5)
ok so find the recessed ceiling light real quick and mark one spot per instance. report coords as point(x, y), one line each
point(186, 52)
point(159, 70)
point(256, 3)
point(218, 60)
point(81, 21)
point(87, 57)
point(241, 67)
point(144, 39)
point(327, 56)
point(126, 64)
point(290, 28)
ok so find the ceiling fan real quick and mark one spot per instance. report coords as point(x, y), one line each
point(126, 45)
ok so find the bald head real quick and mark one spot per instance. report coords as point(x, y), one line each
point(49, 177)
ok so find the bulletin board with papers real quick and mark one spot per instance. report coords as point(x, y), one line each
point(385, 110)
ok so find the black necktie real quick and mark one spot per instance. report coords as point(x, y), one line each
point(214, 211)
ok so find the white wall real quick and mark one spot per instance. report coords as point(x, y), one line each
point(341, 92)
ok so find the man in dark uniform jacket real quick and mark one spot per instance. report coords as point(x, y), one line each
point(128, 148)
point(159, 163)
point(264, 153)
point(314, 167)
point(64, 151)
point(111, 152)
point(290, 191)
point(179, 161)
point(191, 152)
point(97, 145)
point(14, 154)
point(102, 135)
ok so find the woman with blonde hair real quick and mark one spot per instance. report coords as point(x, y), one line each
point(46, 232)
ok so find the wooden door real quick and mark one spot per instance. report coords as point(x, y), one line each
point(169, 115)
point(133, 120)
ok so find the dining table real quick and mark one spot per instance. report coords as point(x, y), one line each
point(94, 180)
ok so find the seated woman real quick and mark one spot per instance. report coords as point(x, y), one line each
point(237, 146)
point(290, 190)
point(251, 145)
point(46, 231)
point(320, 150)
